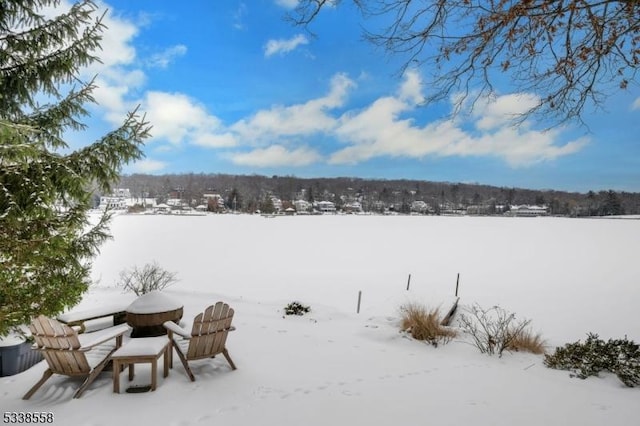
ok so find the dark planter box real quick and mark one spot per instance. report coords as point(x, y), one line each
point(17, 358)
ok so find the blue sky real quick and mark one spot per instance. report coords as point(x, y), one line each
point(231, 87)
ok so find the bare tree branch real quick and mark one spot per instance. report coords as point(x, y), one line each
point(570, 53)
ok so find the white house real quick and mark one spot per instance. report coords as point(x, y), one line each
point(277, 203)
point(302, 205)
point(213, 198)
point(353, 207)
point(113, 203)
point(162, 209)
point(325, 206)
point(119, 199)
point(528, 211)
point(175, 202)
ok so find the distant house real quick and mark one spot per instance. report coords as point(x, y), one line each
point(302, 205)
point(277, 204)
point(479, 209)
point(162, 209)
point(452, 209)
point(119, 199)
point(213, 201)
point(528, 211)
point(352, 207)
point(325, 207)
point(113, 203)
point(175, 202)
point(147, 203)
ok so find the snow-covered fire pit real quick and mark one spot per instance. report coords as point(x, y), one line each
point(148, 312)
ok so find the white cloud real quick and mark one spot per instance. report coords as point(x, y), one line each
point(115, 46)
point(296, 120)
point(282, 135)
point(276, 156)
point(163, 59)
point(110, 97)
point(117, 41)
point(147, 166)
point(283, 46)
point(112, 87)
point(382, 129)
point(501, 111)
point(411, 88)
point(287, 4)
point(116, 78)
point(239, 17)
point(214, 140)
point(178, 119)
point(518, 147)
point(116, 53)
point(636, 104)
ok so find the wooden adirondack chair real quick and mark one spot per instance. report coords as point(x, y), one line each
point(207, 338)
point(67, 353)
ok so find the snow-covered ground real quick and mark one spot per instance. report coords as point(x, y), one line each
point(334, 366)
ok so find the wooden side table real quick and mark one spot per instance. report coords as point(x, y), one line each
point(141, 350)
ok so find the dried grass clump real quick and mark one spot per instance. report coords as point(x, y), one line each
point(425, 324)
point(527, 341)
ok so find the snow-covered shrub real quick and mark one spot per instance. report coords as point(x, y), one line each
point(620, 357)
point(148, 278)
point(296, 308)
point(424, 324)
point(492, 330)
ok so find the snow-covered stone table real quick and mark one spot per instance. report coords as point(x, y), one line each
point(148, 312)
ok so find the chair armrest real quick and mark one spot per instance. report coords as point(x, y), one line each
point(172, 326)
point(89, 340)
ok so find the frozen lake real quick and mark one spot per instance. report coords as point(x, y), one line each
point(570, 276)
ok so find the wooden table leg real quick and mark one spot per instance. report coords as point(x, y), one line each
point(167, 354)
point(154, 373)
point(116, 376)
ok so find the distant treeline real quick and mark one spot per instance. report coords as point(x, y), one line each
point(249, 192)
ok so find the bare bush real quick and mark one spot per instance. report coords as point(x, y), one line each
point(493, 330)
point(148, 278)
point(425, 324)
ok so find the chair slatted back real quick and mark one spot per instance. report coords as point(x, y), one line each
point(210, 331)
point(59, 344)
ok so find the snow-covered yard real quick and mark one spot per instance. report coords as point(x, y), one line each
point(334, 366)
